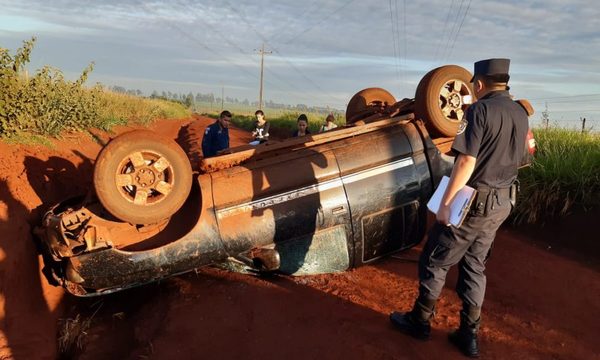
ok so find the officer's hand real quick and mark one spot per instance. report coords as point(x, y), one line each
point(443, 215)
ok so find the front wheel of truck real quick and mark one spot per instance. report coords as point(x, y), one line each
point(141, 177)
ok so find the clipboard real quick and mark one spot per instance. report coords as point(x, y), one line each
point(460, 205)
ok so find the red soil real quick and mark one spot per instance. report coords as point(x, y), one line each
point(540, 304)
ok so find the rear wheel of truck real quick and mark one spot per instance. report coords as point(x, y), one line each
point(368, 102)
point(141, 177)
point(442, 98)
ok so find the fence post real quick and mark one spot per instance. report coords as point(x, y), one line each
point(582, 124)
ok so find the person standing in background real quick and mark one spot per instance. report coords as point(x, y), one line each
point(302, 124)
point(216, 136)
point(329, 124)
point(261, 127)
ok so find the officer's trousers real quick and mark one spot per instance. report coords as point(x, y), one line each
point(469, 246)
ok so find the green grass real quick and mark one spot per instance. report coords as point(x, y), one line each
point(283, 124)
point(120, 109)
point(564, 176)
point(47, 104)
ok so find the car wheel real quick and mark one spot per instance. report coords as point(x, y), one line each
point(367, 102)
point(442, 98)
point(141, 177)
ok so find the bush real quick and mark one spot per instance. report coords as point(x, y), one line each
point(47, 104)
point(565, 175)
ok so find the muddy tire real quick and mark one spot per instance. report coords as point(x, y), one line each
point(368, 102)
point(191, 141)
point(439, 100)
point(141, 177)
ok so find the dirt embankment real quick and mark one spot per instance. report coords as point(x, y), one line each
point(539, 305)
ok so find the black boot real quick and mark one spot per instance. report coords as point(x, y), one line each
point(465, 338)
point(415, 322)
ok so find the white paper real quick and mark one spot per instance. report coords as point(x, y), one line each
point(459, 205)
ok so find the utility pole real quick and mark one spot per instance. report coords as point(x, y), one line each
point(262, 53)
point(222, 95)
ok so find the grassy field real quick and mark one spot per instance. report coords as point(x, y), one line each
point(46, 104)
point(284, 123)
point(565, 176)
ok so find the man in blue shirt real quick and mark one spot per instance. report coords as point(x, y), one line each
point(216, 136)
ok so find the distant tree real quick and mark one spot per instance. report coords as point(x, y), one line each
point(119, 89)
point(189, 100)
point(154, 94)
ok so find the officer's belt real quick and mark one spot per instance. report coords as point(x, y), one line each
point(501, 192)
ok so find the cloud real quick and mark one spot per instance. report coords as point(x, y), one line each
point(322, 51)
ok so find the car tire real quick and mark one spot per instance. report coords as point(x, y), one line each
point(368, 102)
point(440, 99)
point(141, 177)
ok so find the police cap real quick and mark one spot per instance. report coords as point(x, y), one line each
point(495, 68)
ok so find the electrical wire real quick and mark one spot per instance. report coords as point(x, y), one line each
point(458, 31)
point(394, 41)
point(452, 31)
point(288, 62)
point(444, 31)
point(319, 22)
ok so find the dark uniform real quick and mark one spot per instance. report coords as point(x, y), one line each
point(494, 133)
point(215, 139)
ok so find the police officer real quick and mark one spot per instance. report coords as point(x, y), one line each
point(489, 146)
point(216, 136)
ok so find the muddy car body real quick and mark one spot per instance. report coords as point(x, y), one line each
point(319, 204)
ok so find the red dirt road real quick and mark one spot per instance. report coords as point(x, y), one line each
point(540, 304)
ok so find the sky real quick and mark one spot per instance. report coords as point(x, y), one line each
point(318, 52)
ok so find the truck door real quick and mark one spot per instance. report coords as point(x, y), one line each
point(294, 202)
point(387, 183)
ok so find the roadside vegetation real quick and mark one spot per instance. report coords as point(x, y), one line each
point(564, 177)
point(46, 104)
point(283, 124)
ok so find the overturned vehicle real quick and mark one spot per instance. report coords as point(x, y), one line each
point(318, 204)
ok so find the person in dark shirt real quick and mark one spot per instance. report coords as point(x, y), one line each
point(489, 146)
point(261, 127)
point(302, 124)
point(216, 136)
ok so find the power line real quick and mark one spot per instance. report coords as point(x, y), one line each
point(404, 77)
point(213, 28)
point(444, 31)
point(243, 18)
point(458, 32)
point(454, 25)
point(319, 23)
point(394, 41)
point(562, 97)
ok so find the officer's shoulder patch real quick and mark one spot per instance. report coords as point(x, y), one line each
point(462, 126)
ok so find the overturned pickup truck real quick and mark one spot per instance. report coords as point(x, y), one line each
point(318, 204)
